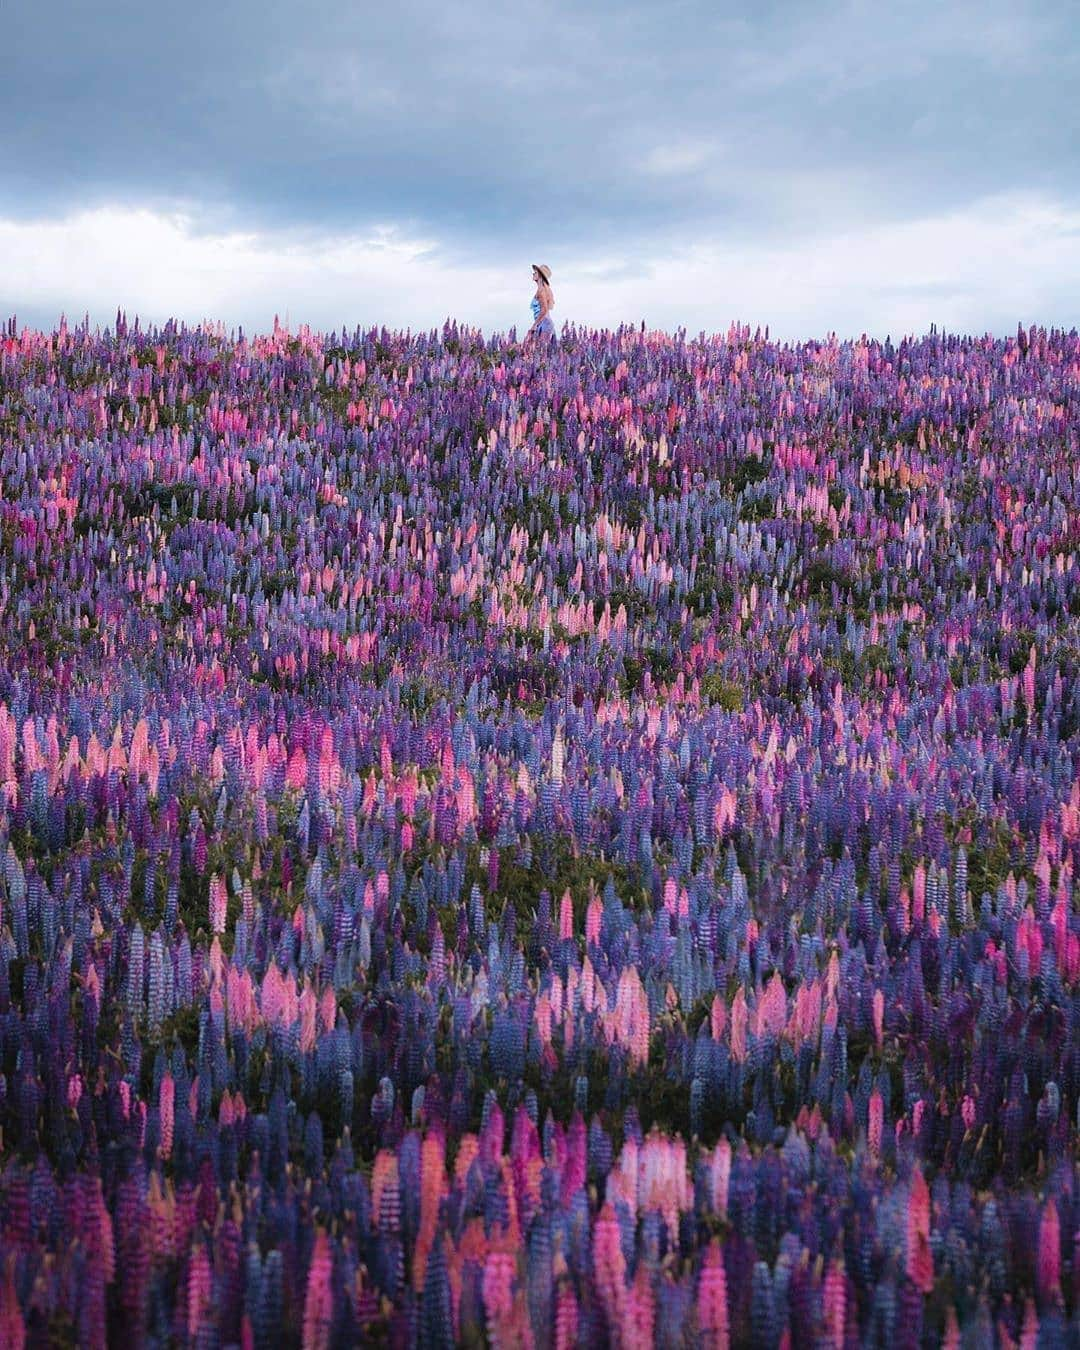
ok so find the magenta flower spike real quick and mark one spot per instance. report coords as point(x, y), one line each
point(712, 1300)
point(1049, 1259)
point(318, 1300)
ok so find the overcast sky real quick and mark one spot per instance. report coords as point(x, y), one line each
point(817, 167)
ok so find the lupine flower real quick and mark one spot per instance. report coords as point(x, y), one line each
point(318, 1301)
point(920, 1261)
point(712, 1304)
point(694, 796)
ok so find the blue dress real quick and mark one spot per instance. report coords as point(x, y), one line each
point(547, 326)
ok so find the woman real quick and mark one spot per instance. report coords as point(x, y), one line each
point(543, 302)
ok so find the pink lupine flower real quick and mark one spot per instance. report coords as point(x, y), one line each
point(218, 902)
point(566, 1316)
point(772, 1008)
point(574, 1168)
point(609, 1265)
point(920, 1259)
point(663, 1181)
point(556, 995)
point(384, 1174)
point(498, 1289)
point(875, 1122)
point(308, 1007)
point(631, 1018)
point(639, 1318)
point(593, 915)
point(542, 1014)
point(717, 1017)
point(834, 1302)
point(1029, 1332)
point(712, 1303)
point(468, 1150)
point(918, 899)
point(199, 1290)
point(432, 1188)
point(517, 1200)
point(12, 1326)
point(720, 1175)
point(1049, 1262)
point(806, 1016)
point(566, 916)
point(318, 1302)
point(622, 1180)
point(739, 1019)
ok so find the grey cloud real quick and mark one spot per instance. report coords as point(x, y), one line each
point(492, 128)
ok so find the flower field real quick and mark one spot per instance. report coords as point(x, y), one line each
point(514, 848)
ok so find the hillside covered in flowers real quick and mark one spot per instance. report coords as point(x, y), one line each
point(521, 848)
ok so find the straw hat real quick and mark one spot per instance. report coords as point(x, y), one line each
point(545, 272)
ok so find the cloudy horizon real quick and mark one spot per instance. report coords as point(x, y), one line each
point(812, 168)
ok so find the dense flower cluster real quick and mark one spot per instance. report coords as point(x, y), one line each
point(539, 848)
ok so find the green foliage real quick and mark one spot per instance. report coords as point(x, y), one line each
point(534, 512)
point(59, 1331)
point(758, 508)
point(710, 592)
point(989, 858)
point(853, 669)
point(630, 682)
point(876, 657)
point(820, 576)
point(891, 498)
point(556, 867)
point(627, 594)
point(632, 506)
point(336, 400)
point(718, 691)
point(10, 418)
point(1020, 643)
point(417, 695)
point(970, 488)
point(663, 664)
point(180, 1028)
point(740, 473)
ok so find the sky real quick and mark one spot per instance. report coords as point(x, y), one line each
point(812, 167)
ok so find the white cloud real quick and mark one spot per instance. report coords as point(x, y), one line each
point(999, 261)
point(683, 157)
